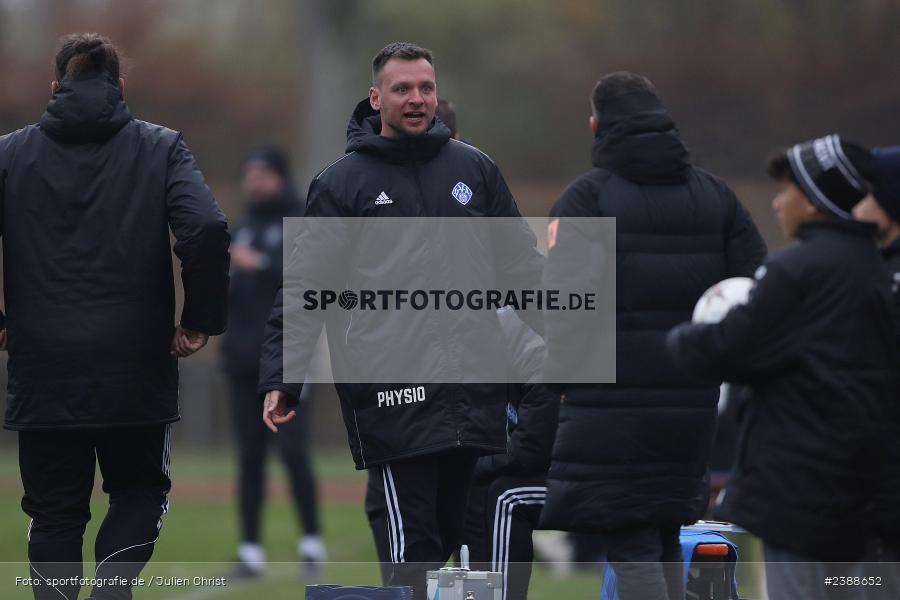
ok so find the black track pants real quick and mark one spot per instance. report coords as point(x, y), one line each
point(57, 470)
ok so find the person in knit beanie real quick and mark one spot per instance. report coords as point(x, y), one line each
point(816, 345)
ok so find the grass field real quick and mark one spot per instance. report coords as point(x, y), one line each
point(199, 535)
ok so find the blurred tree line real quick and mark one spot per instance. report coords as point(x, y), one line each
point(741, 78)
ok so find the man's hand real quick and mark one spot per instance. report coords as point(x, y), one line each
point(273, 410)
point(187, 341)
point(246, 258)
point(3, 339)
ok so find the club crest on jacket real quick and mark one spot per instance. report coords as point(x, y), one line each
point(462, 193)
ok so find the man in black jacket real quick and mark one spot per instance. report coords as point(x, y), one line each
point(89, 195)
point(256, 260)
point(630, 458)
point(401, 162)
point(817, 346)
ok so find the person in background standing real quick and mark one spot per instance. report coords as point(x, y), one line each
point(256, 275)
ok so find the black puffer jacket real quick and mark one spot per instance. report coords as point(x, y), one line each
point(88, 198)
point(635, 452)
point(418, 175)
point(817, 346)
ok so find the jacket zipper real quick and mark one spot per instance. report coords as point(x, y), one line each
point(454, 400)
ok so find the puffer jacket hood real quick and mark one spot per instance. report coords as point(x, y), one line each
point(364, 135)
point(86, 110)
point(638, 140)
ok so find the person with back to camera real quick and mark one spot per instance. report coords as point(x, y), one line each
point(630, 458)
point(89, 195)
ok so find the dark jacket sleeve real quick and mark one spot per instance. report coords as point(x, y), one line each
point(752, 342)
point(531, 442)
point(271, 361)
point(201, 242)
point(518, 262)
point(317, 261)
point(745, 248)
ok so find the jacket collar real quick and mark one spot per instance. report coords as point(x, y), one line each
point(637, 140)
point(364, 135)
point(836, 226)
point(85, 110)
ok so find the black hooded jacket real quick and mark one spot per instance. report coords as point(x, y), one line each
point(417, 174)
point(89, 196)
point(816, 345)
point(635, 453)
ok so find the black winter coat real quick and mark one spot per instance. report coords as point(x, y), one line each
point(89, 196)
point(252, 292)
point(635, 453)
point(418, 174)
point(816, 344)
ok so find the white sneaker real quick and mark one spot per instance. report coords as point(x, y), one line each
point(313, 556)
point(252, 558)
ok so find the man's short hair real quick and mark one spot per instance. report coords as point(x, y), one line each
point(401, 50)
point(447, 114)
point(618, 84)
point(86, 54)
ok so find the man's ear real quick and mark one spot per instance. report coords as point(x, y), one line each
point(54, 85)
point(595, 123)
point(122, 85)
point(375, 98)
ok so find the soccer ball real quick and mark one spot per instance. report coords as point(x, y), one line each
point(715, 302)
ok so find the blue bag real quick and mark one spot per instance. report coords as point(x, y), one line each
point(690, 539)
